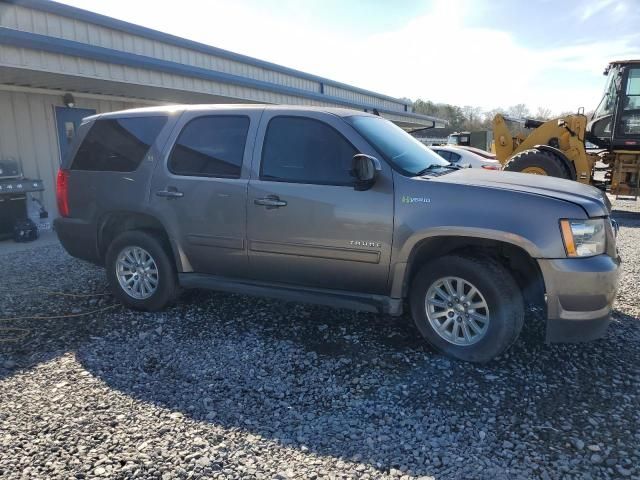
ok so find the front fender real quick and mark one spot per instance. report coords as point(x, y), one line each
point(399, 271)
point(431, 208)
point(474, 232)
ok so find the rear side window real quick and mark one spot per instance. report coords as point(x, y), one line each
point(302, 150)
point(443, 153)
point(210, 147)
point(454, 157)
point(117, 144)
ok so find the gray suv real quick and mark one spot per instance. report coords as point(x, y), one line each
point(335, 207)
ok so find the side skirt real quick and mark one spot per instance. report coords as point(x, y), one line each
point(331, 298)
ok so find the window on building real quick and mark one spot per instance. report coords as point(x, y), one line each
point(117, 144)
point(302, 150)
point(211, 147)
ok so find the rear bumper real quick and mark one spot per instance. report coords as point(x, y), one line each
point(79, 238)
point(580, 294)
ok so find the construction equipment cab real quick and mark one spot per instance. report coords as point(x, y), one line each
point(615, 124)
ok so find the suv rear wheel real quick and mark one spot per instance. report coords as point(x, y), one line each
point(140, 271)
point(467, 307)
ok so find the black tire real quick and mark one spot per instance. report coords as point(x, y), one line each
point(551, 164)
point(167, 286)
point(498, 288)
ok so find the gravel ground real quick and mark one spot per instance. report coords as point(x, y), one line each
point(227, 386)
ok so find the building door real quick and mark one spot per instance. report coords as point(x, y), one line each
point(67, 122)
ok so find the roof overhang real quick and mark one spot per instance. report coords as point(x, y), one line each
point(73, 49)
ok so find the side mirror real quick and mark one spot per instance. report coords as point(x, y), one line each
point(365, 169)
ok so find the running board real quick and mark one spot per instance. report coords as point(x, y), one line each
point(331, 298)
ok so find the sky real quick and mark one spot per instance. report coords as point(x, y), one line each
point(485, 53)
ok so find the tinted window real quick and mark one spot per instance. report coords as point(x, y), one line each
point(210, 147)
point(443, 153)
point(118, 144)
point(454, 157)
point(306, 151)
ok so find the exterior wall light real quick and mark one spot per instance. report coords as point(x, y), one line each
point(68, 100)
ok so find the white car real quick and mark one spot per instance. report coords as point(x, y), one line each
point(463, 156)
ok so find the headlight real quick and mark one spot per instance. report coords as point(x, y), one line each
point(583, 238)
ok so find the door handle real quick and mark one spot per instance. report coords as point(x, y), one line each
point(270, 201)
point(170, 192)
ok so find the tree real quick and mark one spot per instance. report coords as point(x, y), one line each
point(451, 113)
point(488, 116)
point(425, 107)
point(543, 113)
point(455, 116)
point(473, 117)
point(518, 111)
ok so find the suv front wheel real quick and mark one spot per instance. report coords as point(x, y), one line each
point(140, 271)
point(467, 307)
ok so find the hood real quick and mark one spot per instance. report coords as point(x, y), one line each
point(593, 201)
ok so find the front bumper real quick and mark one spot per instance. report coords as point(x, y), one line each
point(580, 294)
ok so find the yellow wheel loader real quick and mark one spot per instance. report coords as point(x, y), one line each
point(557, 147)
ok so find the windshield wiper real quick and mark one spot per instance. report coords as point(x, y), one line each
point(434, 167)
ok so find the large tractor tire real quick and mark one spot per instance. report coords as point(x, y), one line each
point(539, 162)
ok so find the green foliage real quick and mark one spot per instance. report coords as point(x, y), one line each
point(474, 118)
point(451, 113)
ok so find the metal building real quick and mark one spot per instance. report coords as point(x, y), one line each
point(59, 64)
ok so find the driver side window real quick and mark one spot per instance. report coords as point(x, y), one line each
point(303, 150)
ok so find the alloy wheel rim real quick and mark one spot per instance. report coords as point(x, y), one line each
point(137, 272)
point(457, 311)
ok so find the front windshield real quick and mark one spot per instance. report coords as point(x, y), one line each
point(452, 139)
point(396, 145)
point(608, 102)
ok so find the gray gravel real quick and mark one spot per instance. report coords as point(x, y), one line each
point(226, 386)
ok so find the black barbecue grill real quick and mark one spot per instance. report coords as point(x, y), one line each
point(14, 188)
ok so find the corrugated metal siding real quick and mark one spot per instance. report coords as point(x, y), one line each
point(361, 98)
point(34, 21)
point(45, 23)
point(68, 65)
point(28, 133)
